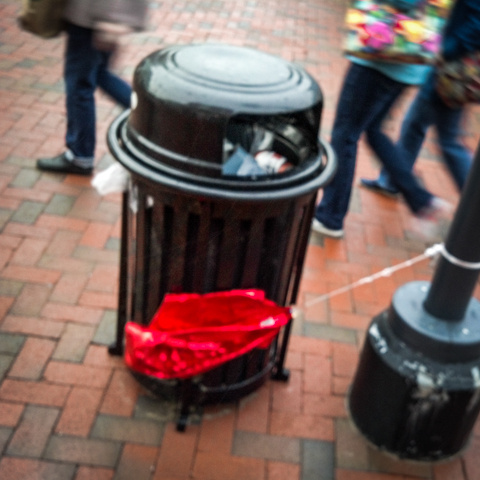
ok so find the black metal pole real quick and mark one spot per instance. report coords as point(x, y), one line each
point(416, 390)
point(454, 281)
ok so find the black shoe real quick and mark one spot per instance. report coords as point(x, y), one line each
point(60, 164)
point(377, 187)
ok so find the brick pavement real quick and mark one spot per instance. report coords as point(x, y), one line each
point(68, 410)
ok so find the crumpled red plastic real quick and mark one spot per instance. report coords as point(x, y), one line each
point(191, 333)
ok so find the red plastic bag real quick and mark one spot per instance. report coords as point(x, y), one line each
point(191, 334)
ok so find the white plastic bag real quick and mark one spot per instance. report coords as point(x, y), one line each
point(113, 179)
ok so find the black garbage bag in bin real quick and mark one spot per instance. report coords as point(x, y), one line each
point(187, 227)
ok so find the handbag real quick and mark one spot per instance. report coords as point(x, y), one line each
point(458, 81)
point(43, 18)
point(404, 31)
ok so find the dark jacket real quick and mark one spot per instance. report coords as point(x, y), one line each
point(462, 33)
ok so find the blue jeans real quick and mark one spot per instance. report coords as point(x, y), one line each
point(366, 98)
point(86, 68)
point(428, 109)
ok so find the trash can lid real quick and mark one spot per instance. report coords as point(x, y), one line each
point(226, 78)
point(186, 97)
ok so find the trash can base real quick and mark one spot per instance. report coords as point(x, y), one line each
point(227, 383)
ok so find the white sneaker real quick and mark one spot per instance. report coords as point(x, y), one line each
point(428, 220)
point(436, 209)
point(319, 227)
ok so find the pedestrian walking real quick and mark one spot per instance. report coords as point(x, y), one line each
point(92, 29)
point(369, 91)
point(462, 36)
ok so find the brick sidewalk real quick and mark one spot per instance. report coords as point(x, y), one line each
point(68, 410)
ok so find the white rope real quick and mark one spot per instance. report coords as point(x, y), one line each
point(386, 272)
point(459, 263)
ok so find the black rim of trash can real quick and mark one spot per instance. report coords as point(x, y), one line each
point(195, 170)
point(305, 180)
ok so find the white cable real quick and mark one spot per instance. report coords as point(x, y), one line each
point(386, 272)
point(459, 263)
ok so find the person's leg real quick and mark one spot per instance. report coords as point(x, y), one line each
point(365, 92)
point(80, 75)
point(82, 62)
point(398, 162)
point(419, 117)
point(456, 156)
point(111, 84)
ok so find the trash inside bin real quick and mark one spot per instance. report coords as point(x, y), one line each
point(192, 334)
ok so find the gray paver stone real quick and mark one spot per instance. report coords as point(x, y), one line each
point(10, 288)
point(28, 212)
point(153, 409)
point(83, 450)
point(4, 217)
point(5, 434)
point(26, 178)
point(74, 343)
point(34, 469)
point(318, 460)
point(328, 332)
point(10, 343)
point(271, 447)
point(5, 362)
point(60, 205)
point(122, 429)
point(33, 432)
point(106, 329)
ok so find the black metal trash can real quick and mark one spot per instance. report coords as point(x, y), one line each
point(186, 226)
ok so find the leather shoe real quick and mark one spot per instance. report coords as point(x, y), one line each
point(60, 164)
point(376, 186)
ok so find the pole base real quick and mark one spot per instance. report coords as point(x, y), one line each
point(416, 392)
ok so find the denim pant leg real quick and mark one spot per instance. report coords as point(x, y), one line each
point(456, 156)
point(395, 162)
point(364, 94)
point(418, 119)
point(427, 109)
point(81, 66)
point(420, 116)
point(112, 85)
point(85, 69)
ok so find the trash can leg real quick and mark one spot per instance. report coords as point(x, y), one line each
point(116, 348)
point(280, 372)
point(186, 400)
